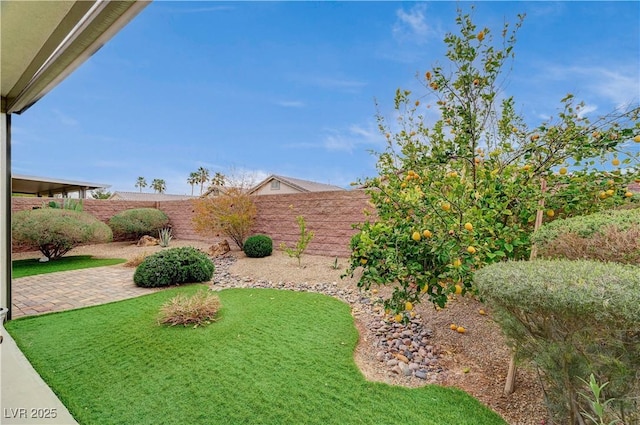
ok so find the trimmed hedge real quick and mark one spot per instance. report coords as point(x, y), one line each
point(173, 267)
point(607, 236)
point(137, 222)
point(56, 231)
point(571, 319)
point(258, 246)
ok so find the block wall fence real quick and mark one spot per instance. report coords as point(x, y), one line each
point(329, 214)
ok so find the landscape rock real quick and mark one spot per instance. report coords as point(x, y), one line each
point(219, 249)
point(147, 240)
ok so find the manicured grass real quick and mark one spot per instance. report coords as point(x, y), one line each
point(274, 357)
point(31, 267)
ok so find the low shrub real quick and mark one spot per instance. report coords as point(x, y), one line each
point(173, 267)
point(571, 319)
point(137, 222)
point(258, 246)
point(198, 309)
point(608, 236)
point(56, 231)
point(136, 260)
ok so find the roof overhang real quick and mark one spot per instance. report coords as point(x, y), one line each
point(42, 42)
point(42, 186)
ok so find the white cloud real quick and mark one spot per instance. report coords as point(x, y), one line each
point(586, 110)
point(290, 103)
point(615, 84)
point(64, 118)
point(356, 136)
point(412, 25)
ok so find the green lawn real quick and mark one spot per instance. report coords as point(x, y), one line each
point(31, 267)
point(274, 357)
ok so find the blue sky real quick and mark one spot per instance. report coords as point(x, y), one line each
point(289, 88)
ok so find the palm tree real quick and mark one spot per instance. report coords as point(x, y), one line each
point(142, 182)
point(203, 177)
point(193, 180)
point(159, 185)
point(218, 179)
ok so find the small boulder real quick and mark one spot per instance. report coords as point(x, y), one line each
point(219, 249)
point(147, 240)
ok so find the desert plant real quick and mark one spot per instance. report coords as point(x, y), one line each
point(164, 237)
point(137, 259)
point(56, 231)
point(232, 213)
point(612, 235)
point(198, 309)
point(137, 222)
point(173, 267)
point(300, 247)
point(572, 318)
point(65, 204)
point(258, 246)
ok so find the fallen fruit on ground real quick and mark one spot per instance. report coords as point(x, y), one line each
point(468, 226)
point(461, 330)
point(416, 236)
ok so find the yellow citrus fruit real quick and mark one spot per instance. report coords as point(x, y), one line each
point(457, 262)
point(398, 318)
point(461, 330)
point(468, 226)
point(471, 250)
point(453, 326)
point(476, 82)
point(611, 182)
point(615, 162)
point(563, 171)
point(481, 36)
point(427, 75)
point(403, 185)
point(526, 167)
point(610, 192)
point(628, 194)
point(535, 137)
point(551, 213)
point(434, 85)
point(602, 195)
point(637, 139)
point(482, 312)
point(363, 261)
point(374, 291)
point(416, 236)
point(446, 206)
point(458, 289)
point(427, 234)
point(453, 174)
point(595, 134)
point(425, 289)
point(408, 306)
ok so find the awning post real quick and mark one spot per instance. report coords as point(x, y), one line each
point(5, 207)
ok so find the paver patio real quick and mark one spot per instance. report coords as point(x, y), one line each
point(73, 289)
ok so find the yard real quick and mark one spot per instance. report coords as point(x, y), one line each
point(475, 361)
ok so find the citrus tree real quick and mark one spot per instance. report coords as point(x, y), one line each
point(463, 191)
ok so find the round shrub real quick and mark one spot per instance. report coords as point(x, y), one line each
point(258, 246)
point(56, 231)
point(571, 319)
point(137, 222)
point(173, 267)
point(606, 236)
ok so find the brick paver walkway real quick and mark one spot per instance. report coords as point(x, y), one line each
point(77, 288)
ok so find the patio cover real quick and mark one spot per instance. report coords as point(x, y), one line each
point(44, 186)
point(42, 42)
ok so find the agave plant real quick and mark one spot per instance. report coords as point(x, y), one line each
point(164, 237)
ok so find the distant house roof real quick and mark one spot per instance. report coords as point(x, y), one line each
point(46, 186)
point(298, 184)
point(144, 196)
